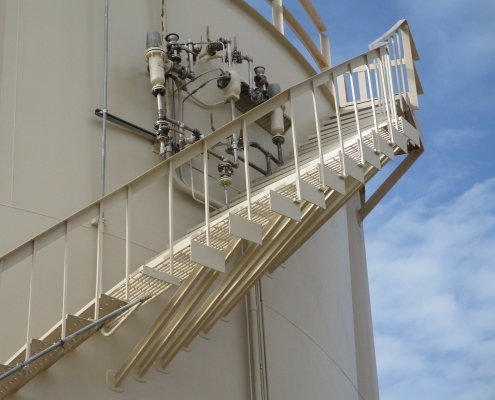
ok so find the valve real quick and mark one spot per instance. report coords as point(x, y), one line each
point(173, 47)
point(226, 171)
point(213, 47)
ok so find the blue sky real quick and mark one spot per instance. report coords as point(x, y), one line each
point(431, 241)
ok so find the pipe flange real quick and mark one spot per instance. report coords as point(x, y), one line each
point(158, 89)
point(278, 139)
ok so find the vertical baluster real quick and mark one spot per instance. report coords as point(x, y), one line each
point(388, 67)
point(339, 125)
point(376, 142)
point(360, 140)
point(31, 298)
point(296, 147)
point(363, 95)
point(246, 168)
point(397, 78)
point(207, 195)
point(66, 278)
point(385, 99)
point(318, 134)
point(402, 66)
point(127, 243)
point(99, 261)
point(378, 88)
point(171, 215)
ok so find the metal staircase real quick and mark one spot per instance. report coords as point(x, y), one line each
point(373, 121)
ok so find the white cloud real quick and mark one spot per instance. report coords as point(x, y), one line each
point(432, 277)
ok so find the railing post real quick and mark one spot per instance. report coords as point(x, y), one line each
point(402, 66)
point(325, 49)
point(31, 298)
point(376, 142)
point(99, 260)
point(385, 98)
point(171, 215)
point(296, 147)
point(397, 75)
point(360, 140)
point(207, 195)
point(127, 242)
point(246, 168)
point(66, 278)
point(318, 134)
point(378, 87)
point(410, 70)
point(278, 15)
point(391, 86)
point(339, 125)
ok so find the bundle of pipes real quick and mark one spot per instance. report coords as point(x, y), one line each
point(164, 57)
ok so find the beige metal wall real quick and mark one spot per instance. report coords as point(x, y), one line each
point(50, 149)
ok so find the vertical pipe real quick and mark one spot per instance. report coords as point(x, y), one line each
point(207, 195)
point(164, 22)
point(105, 110)
point(1, 273)
point(31, 299)
point(278, 15)
point(247, 169)
point(255, 345)
point(171, 216)
point(64, 289)
point(251, 75)
point(296, 148)
point(249, 347)
point(339, 125)
point(397, 75)
point(318, 134)
point(99, 262)
point(127, 243)
point(360, 144)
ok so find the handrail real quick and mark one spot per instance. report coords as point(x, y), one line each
point(383, 39)
point(87, 213)
point(281, 13)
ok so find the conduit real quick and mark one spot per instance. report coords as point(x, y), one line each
point(61, 342)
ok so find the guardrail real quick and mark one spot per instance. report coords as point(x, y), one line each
point(280, 14)
point(373, 88)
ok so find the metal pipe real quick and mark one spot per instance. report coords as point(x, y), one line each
point(198, 196)
point(191, 57)
point(254, 343)
point(61, 342)
point(254, 166)
point(105, 83)
point(161, 111)
point(106, 333)
point(280, 161)
point(251, 75)
point(196, 132)
point(249, 347)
